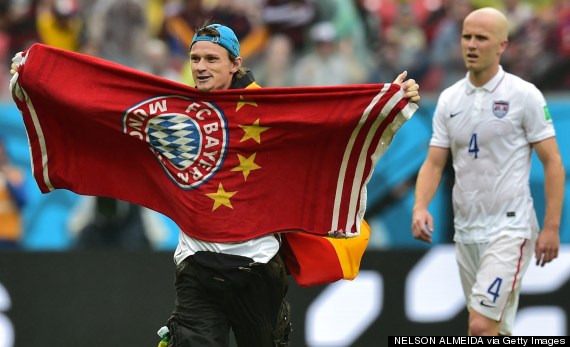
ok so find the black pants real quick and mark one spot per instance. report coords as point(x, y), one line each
point(203, 317)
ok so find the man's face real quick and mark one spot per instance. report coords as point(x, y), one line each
point(480, 44)
point(212, 68)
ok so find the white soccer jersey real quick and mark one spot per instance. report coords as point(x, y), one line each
point(490, 131)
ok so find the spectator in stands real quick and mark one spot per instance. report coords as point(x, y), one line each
point(117, 31)
point(532, 42)
point(518, 13)
point(18, 21)
point(557, 74)
point(244, 16)
point(292, 18)
point(12, 200)
point(372, 26)
point(180, 20)
point(445, 55)
point(59, 25)
point(157, 60)
point(323, 65)
point(351, 37)
point(433, 18)
point(275, 68)
point(405, 46)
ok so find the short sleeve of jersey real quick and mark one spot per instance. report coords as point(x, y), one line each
point(537, 120)
point(440, 135)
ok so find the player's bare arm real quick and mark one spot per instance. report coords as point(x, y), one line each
point(548, 242)
point(427, 183)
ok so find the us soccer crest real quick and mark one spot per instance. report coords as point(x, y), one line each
point(500, 108)
point(188, 137)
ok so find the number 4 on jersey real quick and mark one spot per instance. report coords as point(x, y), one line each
point(473, 148)
point(494, 288)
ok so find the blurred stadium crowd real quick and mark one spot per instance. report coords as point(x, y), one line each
point(296, 42)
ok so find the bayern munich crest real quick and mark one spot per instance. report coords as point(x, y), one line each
point(500, 108)
point(188, 137)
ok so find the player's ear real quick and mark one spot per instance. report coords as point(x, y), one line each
point(236, 65)
point(503, 46)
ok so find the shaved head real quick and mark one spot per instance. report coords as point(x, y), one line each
point(493, 19)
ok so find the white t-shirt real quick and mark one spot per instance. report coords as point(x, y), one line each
point(260, 249)
point(490, 131)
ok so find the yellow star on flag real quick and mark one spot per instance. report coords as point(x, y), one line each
point(221, 197)
point(242, 102)
point(246, 165)
point(253, 131)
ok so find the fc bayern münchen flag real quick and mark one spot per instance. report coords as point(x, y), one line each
point(225, 166)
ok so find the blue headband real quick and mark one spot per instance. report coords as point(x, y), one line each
point(227, 38)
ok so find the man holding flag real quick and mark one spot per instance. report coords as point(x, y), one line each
point(243, 186)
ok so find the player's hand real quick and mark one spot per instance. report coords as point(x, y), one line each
point(410, 87)
point(547, 246)
point(422, 225)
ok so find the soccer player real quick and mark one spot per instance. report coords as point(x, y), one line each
point(491, 121)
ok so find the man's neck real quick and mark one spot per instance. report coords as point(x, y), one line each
point(480, 78)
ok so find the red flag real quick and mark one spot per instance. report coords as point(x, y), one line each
point(225, 166)
point(316, 260)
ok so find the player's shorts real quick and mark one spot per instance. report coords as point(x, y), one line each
point(491, 275)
